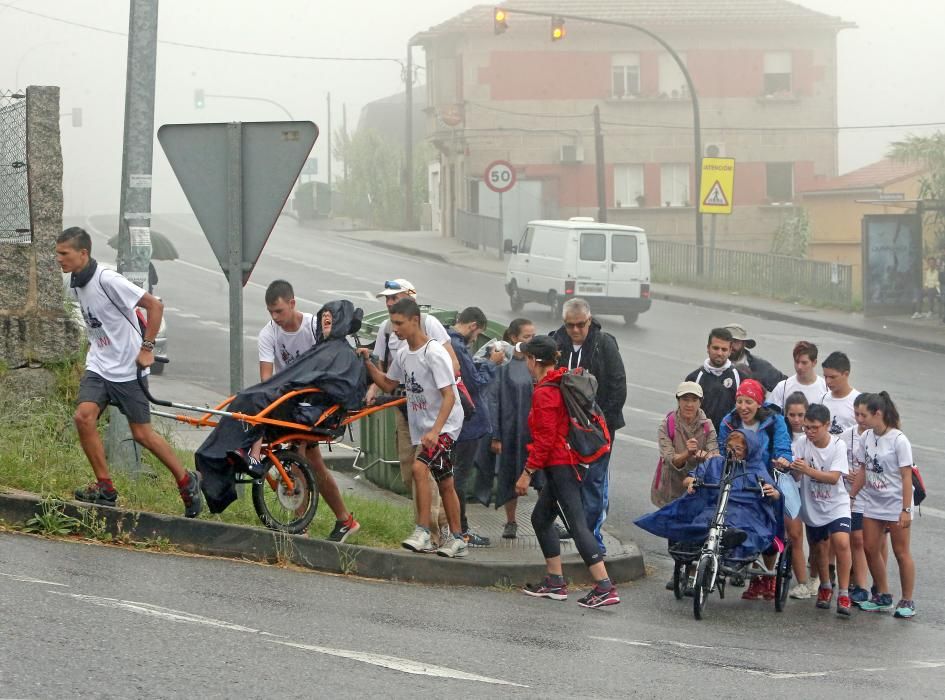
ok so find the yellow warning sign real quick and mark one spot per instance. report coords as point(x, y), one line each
point(718, 185)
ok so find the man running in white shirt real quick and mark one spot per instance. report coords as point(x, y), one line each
point(839, 400)
point(805, 379)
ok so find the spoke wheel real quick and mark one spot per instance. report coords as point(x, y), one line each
point(700, 592)
point(782, 580)
point(280, 507)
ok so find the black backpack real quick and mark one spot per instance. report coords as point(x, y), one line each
point(588, 436)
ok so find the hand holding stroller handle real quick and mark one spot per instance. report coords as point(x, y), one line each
point(144, 387)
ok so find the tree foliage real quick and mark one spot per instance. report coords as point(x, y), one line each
point(929, 152)
point(792, 235)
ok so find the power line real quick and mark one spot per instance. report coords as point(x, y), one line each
point(201, 47)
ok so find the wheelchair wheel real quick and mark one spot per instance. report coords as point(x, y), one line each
point(701, 590)
point(282, 508)
point(782, 581)
point(679, 580)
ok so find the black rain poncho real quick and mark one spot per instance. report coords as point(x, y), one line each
point(331, 365)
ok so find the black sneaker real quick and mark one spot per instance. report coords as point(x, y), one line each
point(510, 531)
point(599, 599)
point(94, 493)
point(563, 532)
point(546, 589)
point(191, 496)
point(474, 540)
point(344, 529)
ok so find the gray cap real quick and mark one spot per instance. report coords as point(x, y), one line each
point(688, 388)
point(739, 333)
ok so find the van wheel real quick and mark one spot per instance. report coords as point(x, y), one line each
point(515, 298)
point(630, 317)
point(554, 301)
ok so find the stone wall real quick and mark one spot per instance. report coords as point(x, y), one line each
point(34, 324)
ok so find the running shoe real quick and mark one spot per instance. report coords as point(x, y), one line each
point(755, 591)
point(563, 532)
point(878, 603)
point(191, 496)
point(510, 531)
point(445, 536)
point(859, 595)
point(843, 606)
point(801, 591)
point(824, 598)
point(905, 609)
point(97, 494)
point(599, 599)
point(344, 529)
point(474, 540)
point(546, 589)
point(419, 541)
point(244, 462)
point(455, 548)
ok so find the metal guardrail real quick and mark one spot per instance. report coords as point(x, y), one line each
point(14, 192)
point(760, 274)
point(479, 231)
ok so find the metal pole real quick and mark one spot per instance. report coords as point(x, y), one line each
point(712, 225)
point(234, 221)
point(599, 166)
point(344, 129)
point(408, 141)
point(328, 169)
point(501, 221)
point(134, 217)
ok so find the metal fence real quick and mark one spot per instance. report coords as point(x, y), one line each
point(478, 231)
point(759, 274)
point(14, 192)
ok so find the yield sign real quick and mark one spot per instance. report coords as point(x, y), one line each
point(237, 178)
point(716, 197)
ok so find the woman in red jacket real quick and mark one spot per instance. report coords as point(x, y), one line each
point(549, 451)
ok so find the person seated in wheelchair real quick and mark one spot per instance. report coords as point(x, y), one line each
point(753, 516)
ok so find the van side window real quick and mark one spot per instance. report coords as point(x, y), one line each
point(623, 248)
point(526, 244)
point(593, 247)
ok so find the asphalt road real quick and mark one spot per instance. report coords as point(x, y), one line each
point(654, 646)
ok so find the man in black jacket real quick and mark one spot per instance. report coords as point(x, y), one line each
point(752, 365)
point(582, 343)
point(718, 377)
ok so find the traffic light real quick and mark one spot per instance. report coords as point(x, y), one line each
point(557, 29)
point(500, 20)
point(199, 101)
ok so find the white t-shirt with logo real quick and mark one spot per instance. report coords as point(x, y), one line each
point(841, 411)
point(823, 503)
point(282, 348)
point(884, 455)
point(108, 304)
point(423, 372)
point(432, 328)
point(856, 458)
point(814, 392)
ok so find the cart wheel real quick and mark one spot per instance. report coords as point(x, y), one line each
point(782, 581)
point(701, 590)
point(679, 580)
point(280, 507)
point(720, 586)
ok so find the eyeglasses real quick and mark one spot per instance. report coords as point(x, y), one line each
point(578, 325)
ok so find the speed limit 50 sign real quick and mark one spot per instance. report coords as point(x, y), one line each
point(500, 176)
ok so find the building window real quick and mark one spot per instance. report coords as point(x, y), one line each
point(674, 184)
point(777, 73)
point(626, 75)
point(780, 182)
point(672, 83)
point(628, 186)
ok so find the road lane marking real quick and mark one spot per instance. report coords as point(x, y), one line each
point(638, 441)
point(417, 668)
point(29, 579)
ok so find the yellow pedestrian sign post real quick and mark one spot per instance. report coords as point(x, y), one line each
point(718, 185)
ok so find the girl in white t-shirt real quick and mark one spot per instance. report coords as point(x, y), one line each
point(885, 486)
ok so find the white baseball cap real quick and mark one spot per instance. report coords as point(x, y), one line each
point(397, 286)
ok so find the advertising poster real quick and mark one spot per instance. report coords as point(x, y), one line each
point(892, 262)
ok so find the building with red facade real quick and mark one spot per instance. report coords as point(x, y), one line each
point(765, 72)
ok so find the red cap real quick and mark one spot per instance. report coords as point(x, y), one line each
point(752, 389)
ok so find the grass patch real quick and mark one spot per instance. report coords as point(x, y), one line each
point(40, 453)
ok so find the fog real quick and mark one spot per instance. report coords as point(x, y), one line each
point(887, 71)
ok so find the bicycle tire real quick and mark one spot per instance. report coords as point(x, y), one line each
point(782, 580)
point(277, 507)
point(679, 583)
point(700, 591)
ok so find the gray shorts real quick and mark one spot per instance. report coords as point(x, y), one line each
point(126, 395)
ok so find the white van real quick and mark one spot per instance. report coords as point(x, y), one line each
point(606, 264)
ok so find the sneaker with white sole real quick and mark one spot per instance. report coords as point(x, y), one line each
point(546, 589)
point(599, 599)
point(419, 541)
point(444, 535)
point(905, 609)
point(801, 591)
point(344, 529)
point(455, 548)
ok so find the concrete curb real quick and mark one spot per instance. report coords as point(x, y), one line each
point(258, 544)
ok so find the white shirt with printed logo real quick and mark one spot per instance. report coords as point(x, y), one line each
point(841, 411)
point(108, 304)
point(823, 503)
point(432, 328)
point(814, 392)
point(282, 348)
point(885, 455)
point(423, 372)
point(856, 458)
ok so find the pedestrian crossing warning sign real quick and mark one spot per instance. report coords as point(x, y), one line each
point(718, 184)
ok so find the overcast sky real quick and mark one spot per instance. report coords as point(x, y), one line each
point(890, 70)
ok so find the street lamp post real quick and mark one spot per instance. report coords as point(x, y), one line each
point(696, 123)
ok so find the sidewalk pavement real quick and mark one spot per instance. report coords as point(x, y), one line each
point(923, 334)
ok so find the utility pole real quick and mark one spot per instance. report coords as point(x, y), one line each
point(328, 121)
point(599, 166)
point(408, 140)
point(134, 218)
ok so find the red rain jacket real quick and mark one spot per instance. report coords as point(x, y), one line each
point(548, 424)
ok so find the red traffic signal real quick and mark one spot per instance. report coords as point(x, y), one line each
point(500, 20)
point(557, 29)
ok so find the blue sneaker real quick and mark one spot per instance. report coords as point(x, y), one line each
point(905, 609)
point(859, 595)
point(878, 603)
